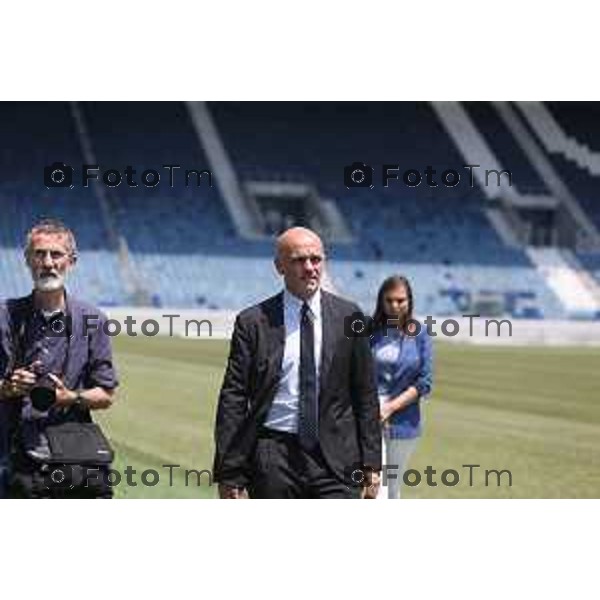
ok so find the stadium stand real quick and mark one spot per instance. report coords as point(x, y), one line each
point(431, 232)
point(178, 237)
point(591, 261)
point(181, 242)
point(580, 128)
point(503, 144)
point(571, 133)
point(573, 143)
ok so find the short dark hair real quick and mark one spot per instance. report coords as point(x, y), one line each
point(379, 316)
point(51, 226)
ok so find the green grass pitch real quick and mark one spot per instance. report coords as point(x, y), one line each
point(532, 411)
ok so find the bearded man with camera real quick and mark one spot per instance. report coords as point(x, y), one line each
point(52, 375)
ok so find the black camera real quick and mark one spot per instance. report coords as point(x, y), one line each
point(358, 325)
point(358, 175)
point(58, 175)
point(42, 397)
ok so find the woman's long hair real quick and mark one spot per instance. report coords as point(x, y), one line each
point(380, 317)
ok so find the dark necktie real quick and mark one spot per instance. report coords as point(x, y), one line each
point(308, 410)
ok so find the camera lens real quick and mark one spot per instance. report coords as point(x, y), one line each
point(42, 398)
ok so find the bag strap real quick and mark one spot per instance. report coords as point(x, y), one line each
point(18, 311)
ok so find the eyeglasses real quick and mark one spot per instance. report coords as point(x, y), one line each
point(55, 255)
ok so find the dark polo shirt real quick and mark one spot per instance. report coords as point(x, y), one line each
point(76, 334)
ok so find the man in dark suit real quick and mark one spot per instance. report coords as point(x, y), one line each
point(298, 413)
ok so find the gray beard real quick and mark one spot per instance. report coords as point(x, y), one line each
point(49, 284)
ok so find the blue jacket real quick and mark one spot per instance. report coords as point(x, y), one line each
point(402, 361)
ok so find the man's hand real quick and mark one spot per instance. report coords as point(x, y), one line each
point(64, 396)
point(232, 492)
point(372, 489)
point(20, 382)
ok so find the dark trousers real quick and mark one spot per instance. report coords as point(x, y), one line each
point(282, 469)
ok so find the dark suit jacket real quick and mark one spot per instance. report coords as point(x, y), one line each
point(349, 428)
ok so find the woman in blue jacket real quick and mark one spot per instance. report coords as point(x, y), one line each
point(402, 351)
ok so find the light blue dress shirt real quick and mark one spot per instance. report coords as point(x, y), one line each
point(283, 414)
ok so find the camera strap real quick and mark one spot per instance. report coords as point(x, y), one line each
point(17, 314)
point(21, 320)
